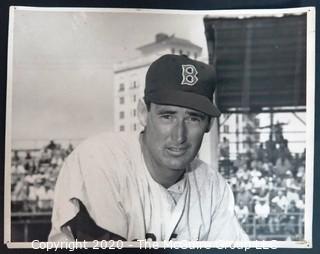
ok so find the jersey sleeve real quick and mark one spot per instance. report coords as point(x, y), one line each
point(91, 179)
point(224, 223)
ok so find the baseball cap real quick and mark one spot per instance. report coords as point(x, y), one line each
point(180, 81)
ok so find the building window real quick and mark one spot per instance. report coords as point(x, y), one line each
point(172, 51)
point(134, 85)
point(188, 53)
point(121, 87)
point(121, 128)
point(180, 52)
point(195, 55)
point(121, 114)
point(134, 127)
point(121, 100)
point(226, 129)
point(134, 98)
point(134, 112)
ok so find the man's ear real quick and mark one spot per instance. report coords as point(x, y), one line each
point(210, 124)
point(142, 113)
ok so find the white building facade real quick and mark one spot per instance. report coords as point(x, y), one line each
point(129, 77)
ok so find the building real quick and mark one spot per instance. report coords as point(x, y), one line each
point(129, 77)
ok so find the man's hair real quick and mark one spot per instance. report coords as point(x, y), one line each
point(147, 102)
point(148, 105)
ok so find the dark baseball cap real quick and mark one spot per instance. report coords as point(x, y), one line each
point(180, 81)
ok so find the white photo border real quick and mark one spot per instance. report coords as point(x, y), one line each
point(310, 110)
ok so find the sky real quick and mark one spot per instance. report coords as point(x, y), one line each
point(62, 71)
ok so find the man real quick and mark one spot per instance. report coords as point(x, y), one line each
point(242, 212)
point(151, 185)
point(281, 200)
point(262, 211)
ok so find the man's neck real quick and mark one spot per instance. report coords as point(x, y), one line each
point(162, 175)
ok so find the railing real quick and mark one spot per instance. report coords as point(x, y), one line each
point(31, 206)
point(26, 227)
point(36, 226)
point(277, 226)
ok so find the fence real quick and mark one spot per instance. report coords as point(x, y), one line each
point(27, 227)
point(277, 226)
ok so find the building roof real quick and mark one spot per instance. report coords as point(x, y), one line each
point(264, 71)
point(165, 40)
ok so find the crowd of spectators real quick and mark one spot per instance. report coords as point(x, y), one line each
point(267, 180)
point(33, 177)
point(268, 183)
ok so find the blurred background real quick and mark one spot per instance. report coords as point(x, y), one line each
point(79, 73)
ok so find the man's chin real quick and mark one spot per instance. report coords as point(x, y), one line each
point(179, 166)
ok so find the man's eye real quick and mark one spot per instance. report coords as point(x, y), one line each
point(167, 117)
point(194, 119)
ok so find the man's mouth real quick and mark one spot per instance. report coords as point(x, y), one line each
point(177, 150)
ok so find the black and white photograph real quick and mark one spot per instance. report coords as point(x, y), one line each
point(150, 126)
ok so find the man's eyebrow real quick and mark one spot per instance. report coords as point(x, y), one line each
point(166, 111)
point(197, 114)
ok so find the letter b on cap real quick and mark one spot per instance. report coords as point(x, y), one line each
point(189, 75)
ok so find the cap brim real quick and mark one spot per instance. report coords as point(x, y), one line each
point(185, 99)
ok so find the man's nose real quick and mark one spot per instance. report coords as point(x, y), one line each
point(179, 132)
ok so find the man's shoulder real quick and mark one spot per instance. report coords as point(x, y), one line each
point(114, 141)
point(109, 152)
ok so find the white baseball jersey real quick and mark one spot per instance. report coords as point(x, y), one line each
point(107, 173)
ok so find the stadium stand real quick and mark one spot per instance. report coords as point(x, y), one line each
point(268, 183)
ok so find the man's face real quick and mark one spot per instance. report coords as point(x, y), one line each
point(173, 135)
